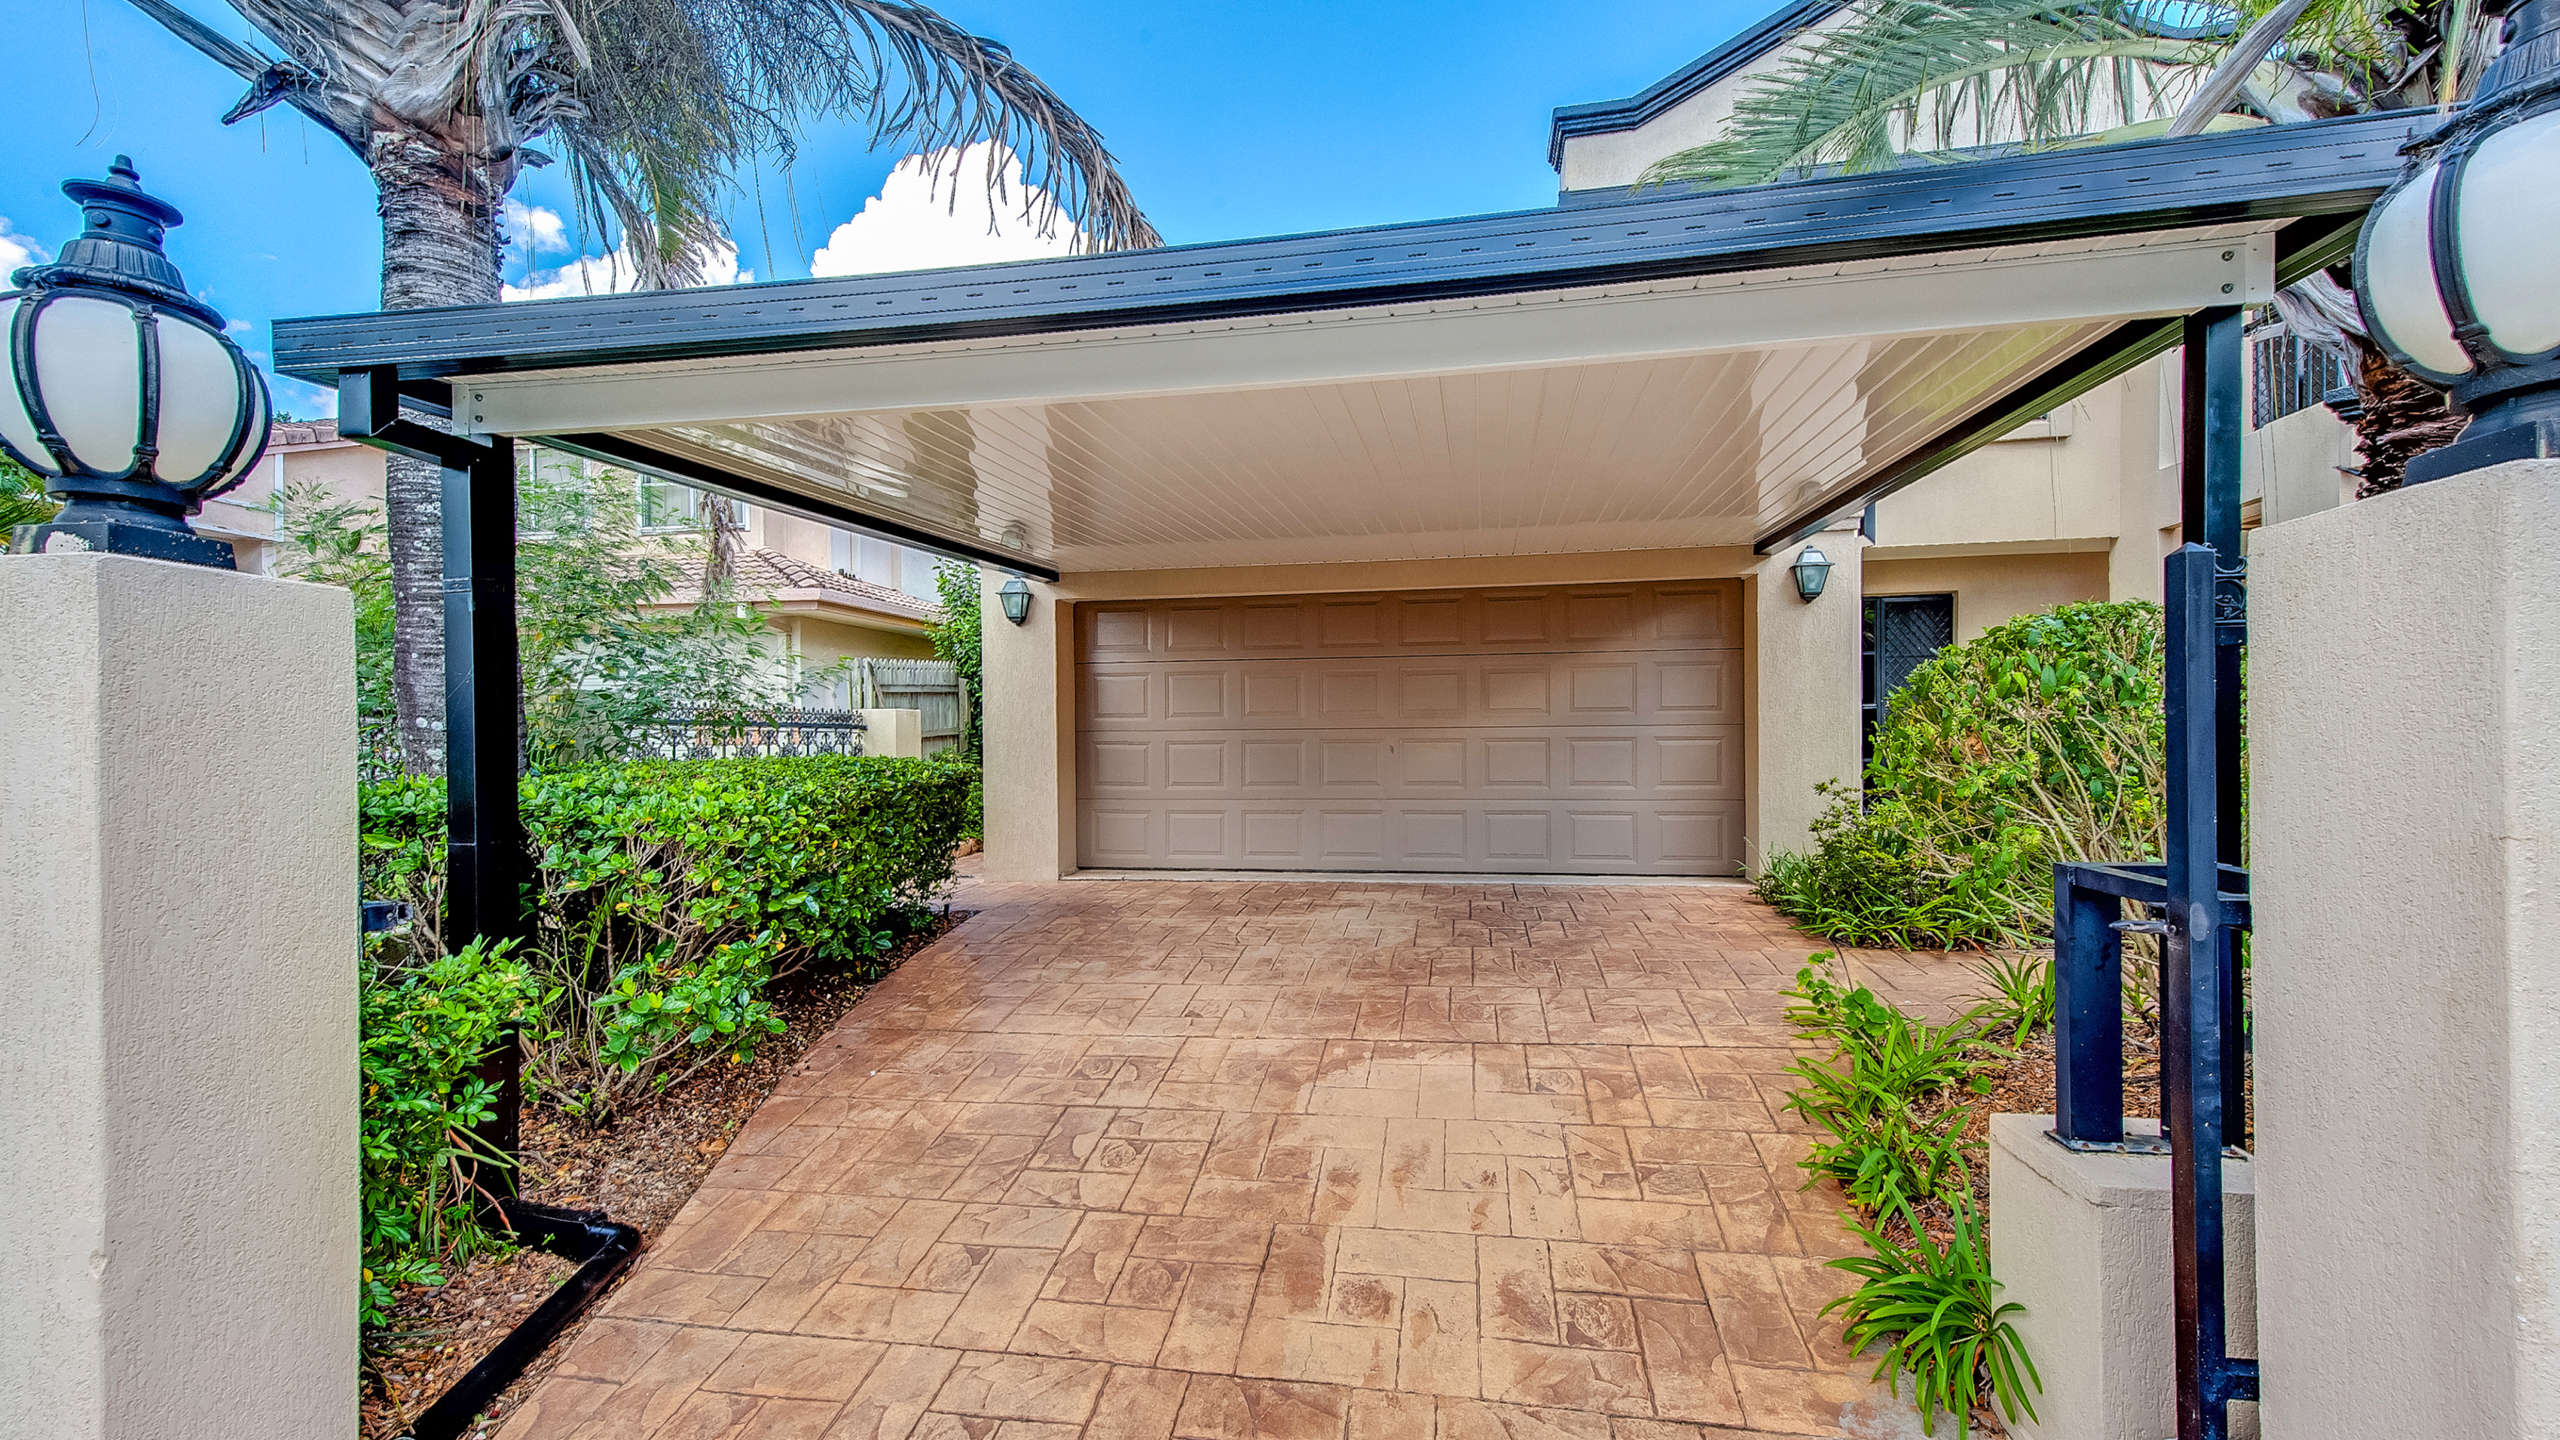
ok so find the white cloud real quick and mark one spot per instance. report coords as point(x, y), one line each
point(537, 228)
point(17, 250)
point(611, 273)
point(943, 209)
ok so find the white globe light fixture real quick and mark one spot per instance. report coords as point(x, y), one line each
point(123, 391)
point(2454, 267)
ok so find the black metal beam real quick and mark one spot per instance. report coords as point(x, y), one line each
point(624, 451)
point(2276, 171)
point(2093, 365)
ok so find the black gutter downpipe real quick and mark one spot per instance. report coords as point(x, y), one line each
point(486, 865)
point(603, 1248)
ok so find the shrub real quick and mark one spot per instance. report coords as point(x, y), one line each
point(670, 895)
point(2043, 740)
point(1934, 1304)
point(424, 1030)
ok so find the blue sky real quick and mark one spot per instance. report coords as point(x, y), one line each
point(1228, 120)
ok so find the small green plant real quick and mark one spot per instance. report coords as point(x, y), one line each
point(424, 1031)
point(1870, 1095)
point(2019, 995)
point(1940, 1310)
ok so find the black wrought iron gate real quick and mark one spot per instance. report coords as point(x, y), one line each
point(2198, 898)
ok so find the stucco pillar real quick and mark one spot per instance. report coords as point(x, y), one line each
point(1803, 678)
point(2404, 752)
point(896, 734)
point(178, 1081)
point(1029, 737)
point(2083, 1242)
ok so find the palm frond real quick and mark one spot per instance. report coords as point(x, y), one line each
point(1896, 77)
point(657, 106)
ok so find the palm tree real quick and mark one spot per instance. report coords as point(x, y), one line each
point(650, 107)
point(1904, 81)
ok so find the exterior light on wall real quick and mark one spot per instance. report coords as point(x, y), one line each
point(1812, 571)
point(2453, 269)
point(125, 393)
point(1015, 597)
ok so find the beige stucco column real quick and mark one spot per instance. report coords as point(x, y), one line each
point(178, 1249)
point(2404, 751)
point(1030, 739)
point(1801, 668)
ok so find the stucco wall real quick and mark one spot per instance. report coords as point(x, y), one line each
point(2404, 676)
point(177, 941)
point(1991, 588)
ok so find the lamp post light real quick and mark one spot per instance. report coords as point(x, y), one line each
point(1812, 571)
point(124, 393)
point(1015, 598)
point(2454, 269)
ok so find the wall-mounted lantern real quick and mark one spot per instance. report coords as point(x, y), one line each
point(2453, 269)
point(124, 392)
point(1015, 598)
point(1812, 571)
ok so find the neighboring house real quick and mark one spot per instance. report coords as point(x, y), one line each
point(1464, 546)
point(2080, 504)
point(299, 452)
point(826, 594)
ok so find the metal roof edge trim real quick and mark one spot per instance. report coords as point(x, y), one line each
point(1601, 117)
point(2270, 172)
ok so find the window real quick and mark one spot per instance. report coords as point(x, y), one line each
point(666, 505)
point(2287, 373)
point(1901, 633)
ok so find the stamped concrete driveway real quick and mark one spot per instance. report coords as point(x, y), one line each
point(1172, 1160)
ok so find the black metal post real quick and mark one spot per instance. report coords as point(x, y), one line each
point(484, 838)
point(2088, 993)
point(2199, 995)
point(2216, 392)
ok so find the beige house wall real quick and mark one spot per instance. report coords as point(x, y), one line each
point(1800, 666)
point(1991, 588)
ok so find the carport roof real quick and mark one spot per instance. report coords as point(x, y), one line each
point(2291, 194)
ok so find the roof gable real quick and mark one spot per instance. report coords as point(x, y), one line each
point(1601, 117)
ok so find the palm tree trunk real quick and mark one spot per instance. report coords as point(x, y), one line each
point(439, 247)
point(2402, 417)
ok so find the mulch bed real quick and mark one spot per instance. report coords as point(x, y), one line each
point(639, 1168)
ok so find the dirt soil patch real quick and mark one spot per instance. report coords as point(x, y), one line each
point(639, 1169)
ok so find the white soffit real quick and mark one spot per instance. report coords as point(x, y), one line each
point(1656, 415)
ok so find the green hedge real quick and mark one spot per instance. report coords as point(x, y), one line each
point(2042, 740)
point(667, 898)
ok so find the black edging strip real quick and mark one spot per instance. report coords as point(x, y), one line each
point(604, 1249)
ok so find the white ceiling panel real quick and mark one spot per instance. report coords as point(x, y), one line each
point(1660, 415)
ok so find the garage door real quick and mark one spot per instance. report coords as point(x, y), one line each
point(1583, 730)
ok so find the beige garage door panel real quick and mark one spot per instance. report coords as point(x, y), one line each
point(1702, 615)
point(1677, 687)
point(1570, 764)
point(1592, 729)
point(1489, 836)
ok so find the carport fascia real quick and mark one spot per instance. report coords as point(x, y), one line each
point(2314, 181)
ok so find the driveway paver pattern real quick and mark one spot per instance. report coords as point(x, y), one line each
point(1158, 1160)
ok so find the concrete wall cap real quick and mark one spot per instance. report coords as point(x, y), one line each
point(2139, 1182)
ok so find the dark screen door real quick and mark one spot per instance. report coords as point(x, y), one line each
point(1901, 631)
